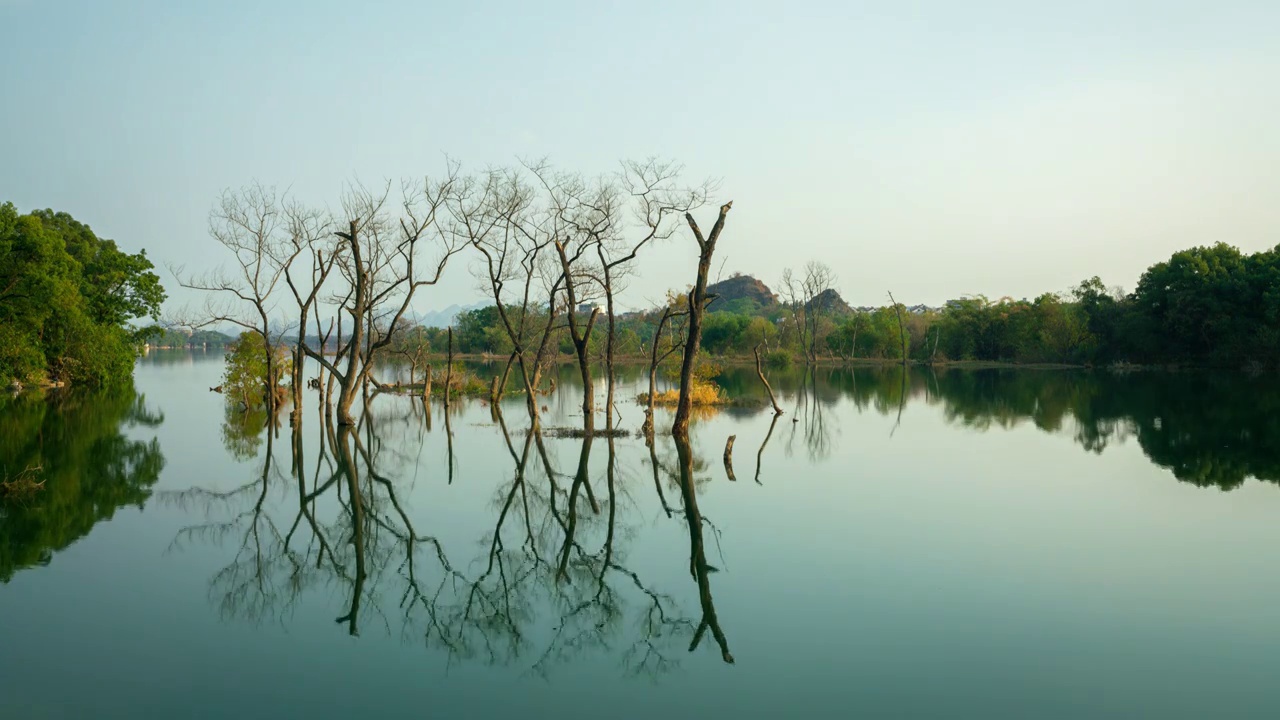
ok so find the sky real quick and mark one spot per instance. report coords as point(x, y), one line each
point(931, 149)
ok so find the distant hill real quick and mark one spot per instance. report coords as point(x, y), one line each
point(446, 317)
point(739, 293)
point(177, 338)
point(829, 301)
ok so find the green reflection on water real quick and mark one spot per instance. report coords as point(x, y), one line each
point(89, 467)
point(1209, 429)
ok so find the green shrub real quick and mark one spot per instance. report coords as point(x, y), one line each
point(780, 359)
point(245, 378)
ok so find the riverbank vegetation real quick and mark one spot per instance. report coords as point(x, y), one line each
point(69, 301)
point(553, 250)
point(1206, 306)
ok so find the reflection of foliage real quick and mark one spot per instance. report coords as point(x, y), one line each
point(1208, 429)
point(88, 466)
point(242, 431)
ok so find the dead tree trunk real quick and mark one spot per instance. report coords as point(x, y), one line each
point(448, 374)
point(349, 383)
point(608, 347)
point(777, 410)
point(656, 357)
point(697, 304)
point(580, 336)
point(350, 380)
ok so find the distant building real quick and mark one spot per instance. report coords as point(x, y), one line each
point(587, 308)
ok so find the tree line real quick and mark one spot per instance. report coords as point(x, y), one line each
point(69, 301)
point(1211, 306)
point(1205, 306)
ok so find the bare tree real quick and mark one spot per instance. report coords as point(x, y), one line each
point(579, 333)
point(820, 297)
point(777, 409)
point(310, 236)
point(412, 345)
point(791, 291)
point(382, 266)
point(653, 190)
point(249, 223)
point(659, 354)
point(582, 213)
point(810, 298)
point(502, 217)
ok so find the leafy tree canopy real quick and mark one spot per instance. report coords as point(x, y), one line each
point(67, 301)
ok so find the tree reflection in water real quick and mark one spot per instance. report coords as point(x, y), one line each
point(551, 582)
point(89, 466)
point(550, 579)
point(1209, 429)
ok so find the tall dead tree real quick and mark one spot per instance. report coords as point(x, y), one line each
point(697, 300)
point(651, 190)
point(777, 409)
point(579, 332)
point(247, 222)
point(382, 268)
point(659, 352)
point(311, 236)
point(811, 299)
point(502, 217)
point(582, 214)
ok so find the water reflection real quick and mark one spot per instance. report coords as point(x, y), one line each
point(1208, 429)
point(89, 466)
point(546, 576)
point(546, 582)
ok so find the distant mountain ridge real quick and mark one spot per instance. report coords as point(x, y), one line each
point(448, 316)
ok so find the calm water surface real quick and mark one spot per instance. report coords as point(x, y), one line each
point(950, 544)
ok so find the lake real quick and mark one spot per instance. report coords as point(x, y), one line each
point(949, 543)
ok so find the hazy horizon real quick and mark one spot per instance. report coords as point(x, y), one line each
point(933, 150)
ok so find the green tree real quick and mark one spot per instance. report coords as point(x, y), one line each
point(244, 380)
point(67, 299)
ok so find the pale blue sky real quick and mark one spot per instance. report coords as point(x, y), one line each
point(930, 148)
